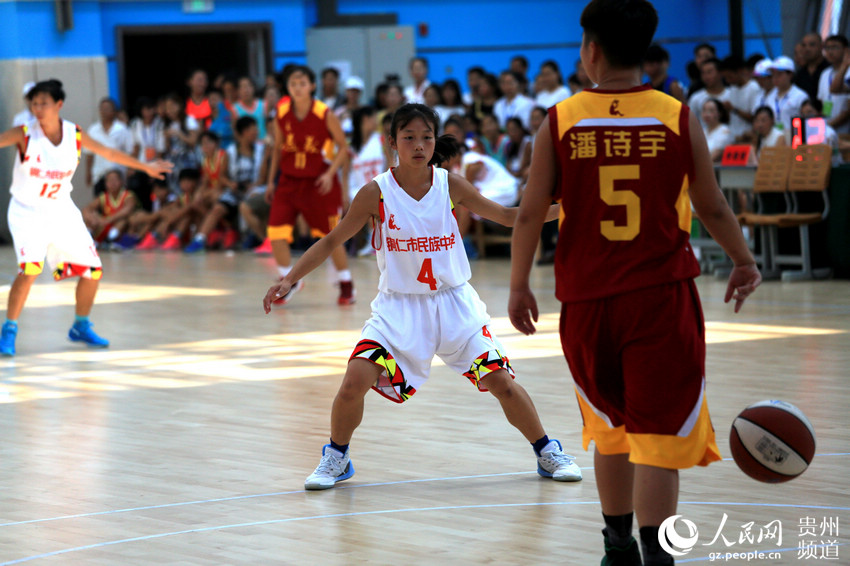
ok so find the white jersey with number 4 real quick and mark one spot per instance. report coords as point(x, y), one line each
point(43, 171)
point(419, 247)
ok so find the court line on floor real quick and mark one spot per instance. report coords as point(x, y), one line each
point(293, 492)
point(379, 512)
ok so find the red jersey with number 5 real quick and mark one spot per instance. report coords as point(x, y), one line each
point(624, 164)
point(43, 171)
point(302, 140)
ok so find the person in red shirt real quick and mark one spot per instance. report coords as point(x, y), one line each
point(197, 104)
point(626, 162)
point(304, 128)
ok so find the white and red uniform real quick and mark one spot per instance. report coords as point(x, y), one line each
point(425, 305)
point(366, 164)
point(43, 219)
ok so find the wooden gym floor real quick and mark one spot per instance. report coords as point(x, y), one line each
point(188, 440)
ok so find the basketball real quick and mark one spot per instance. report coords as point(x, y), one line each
point(772, 441)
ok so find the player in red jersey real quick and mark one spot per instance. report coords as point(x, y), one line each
point(626, 162)
point(307, 185)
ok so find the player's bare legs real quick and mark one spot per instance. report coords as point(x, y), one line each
point(516, 403)
point(86, 291)
point(656, 494)
point(282, 253)
point(347, 411)
point(18, 295)
point(615, 482)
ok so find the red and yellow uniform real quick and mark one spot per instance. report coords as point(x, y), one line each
point(302, 162)
point(631, 321)
point(109, 206)
point(213, 167)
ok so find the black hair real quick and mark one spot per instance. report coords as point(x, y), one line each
point(181, 112)
point(284, 73)
point(116, 171)
point(708, 46)
point(243, 123)
point(111, 101)
point(656, 54)
point(520, 80)
point(454, 85)
point(215, 90)
point(454, 120)
point(713, 61)
point(554, 66)
point(540, 109)
point(356, 126)
point(521, 59)
point(436, 87)
point(753, 59)
point(445, 147)
point(478, 70)
point(381, 90)
point(422, 60)
point(814, 103)
point(303, 69)
point(491, 80)
point(723, 114)
point(51, 87)
point(210, 135)
point(246, 78)
point(765, 109)
point(513, 148)
point(331, 70)
point(144, 102)
point(623, 29)
point(161, 183)
point(838, 38)
point(190, 173)
point(733, 63)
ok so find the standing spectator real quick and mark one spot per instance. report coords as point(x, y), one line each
point(552, 89)
point(221, 119)
point(702, 53)
point(452, 100)
point(518, 150)
point(714, 87)
point(330, 88)
point(110, 133)
point(354, 88)
point(538, 115)
point(198, 105)
point(763, 76)
point(474, 76)
point(519, 65)
point(579, 80)
point(229, 92)
point(786, 98)
point(715, 118)
point(808, 74)
point(836, 108)
point(432, 97)
point(148, 146)
point(271, 95)
point(25, 116)
point(488, 95)
point(493, 142)
point(656, 65)
point(249, 105)
point(744, 92)
point(181, 135)
point(394, 99)
point(513, 103)
point(415, 93)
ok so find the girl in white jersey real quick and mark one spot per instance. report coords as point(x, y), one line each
point(424, 285)
point(42, 217)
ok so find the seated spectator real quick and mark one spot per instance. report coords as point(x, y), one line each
point(354, 88)
point(183, 215)
point(249, 105)
point(713, 88)
point(488, 95)
point(744, 92)
point(813, 109)
point(215, 175)
point(431, 96)
point(418, 69)
point(198, 105)
point(552, 89)
point(836, 106)
point(493, 142)
point(519, 65)
point(656, 65)
point(181, 135)
point(474, 76)
point(366, 162)
point(107, 216)
point(394, 99)
point(716, 129)
point(513, 102)
point(579, 80)
point(25, 116)
point(702, 53)
point(149, 226)
point(765, 132)
point(518, 150)
point(452, 102)
point(786, 97)
point(221, 119)
point(538, 116)
point(271, 96)
point(148, 146)
point(111, 133)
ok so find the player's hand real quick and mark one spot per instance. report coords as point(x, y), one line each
point(325, 182)
point(742, 282)
point(275, 292)
point(522, 310)
point(159, 169)
point(270, 193)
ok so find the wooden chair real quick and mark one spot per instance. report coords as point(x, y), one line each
point(487, 233)
point(810, 169)
point(771, 179)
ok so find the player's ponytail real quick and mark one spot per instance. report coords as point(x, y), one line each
point(445, 148)
point(51, 87)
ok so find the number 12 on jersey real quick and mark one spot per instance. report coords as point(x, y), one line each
point(426, 274)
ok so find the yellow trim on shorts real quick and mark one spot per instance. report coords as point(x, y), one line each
point(31, 268)
point(280, 233)
point(699, 448)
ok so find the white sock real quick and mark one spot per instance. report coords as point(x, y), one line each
point(284, 270)
point(200, 238)
point(343, 275)
point(113, 233)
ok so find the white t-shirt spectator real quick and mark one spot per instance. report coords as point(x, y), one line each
point(496, 183)
point(718, 138)
point(22, 117)
point(549, 99)
point(833, 104)
point(150, 139)
point(414, 95)
point(786, 107)
point(742, 98)
point(118, 137)
point(520, 107)
point(697, 99)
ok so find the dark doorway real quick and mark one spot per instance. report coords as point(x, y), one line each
point(153, 61)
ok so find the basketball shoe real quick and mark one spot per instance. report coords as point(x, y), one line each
point(7, 338)
point(346, 293)
point(553, 463)
point(171, 243)
point(288, 297)
point(149, 242)
point(333, 468)
point(617, 556)
point(265, 248)
point(82, 332)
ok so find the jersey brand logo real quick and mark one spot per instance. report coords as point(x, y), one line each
point(391, 223)
point(613, 110)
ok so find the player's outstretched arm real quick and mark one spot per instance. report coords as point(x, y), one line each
point(12, 136)
point(715, 214)
point(463, 192)
point(157, 169)
point(363, 207)
point(534, 208)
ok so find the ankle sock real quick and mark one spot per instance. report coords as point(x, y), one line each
point(618, 529)
point(653, 554)
point(284, 270)
point(539, 445)
point(80, 319)
point(343, 275)
point(341, 448)
point(12, 323)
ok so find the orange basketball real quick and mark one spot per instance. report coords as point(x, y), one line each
point(772, 441)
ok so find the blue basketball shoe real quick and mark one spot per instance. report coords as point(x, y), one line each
point(82, 332)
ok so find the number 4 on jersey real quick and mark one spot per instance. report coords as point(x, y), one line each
point(426, 274)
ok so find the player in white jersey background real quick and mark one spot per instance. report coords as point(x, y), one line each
point(425, 305)
point(43, 220)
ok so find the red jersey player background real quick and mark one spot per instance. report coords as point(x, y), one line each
point(626, 162)
point(307, 185)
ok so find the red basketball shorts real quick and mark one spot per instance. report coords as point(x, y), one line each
point(296, 196)
point(638, 361)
